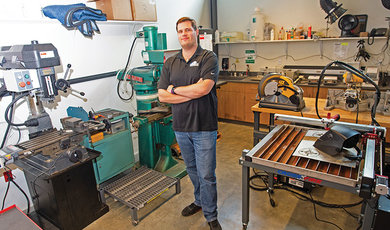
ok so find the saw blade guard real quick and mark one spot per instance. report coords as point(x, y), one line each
point(277, 90)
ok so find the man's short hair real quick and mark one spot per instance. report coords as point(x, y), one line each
point(186, 19)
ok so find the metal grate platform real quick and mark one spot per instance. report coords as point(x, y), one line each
point(277, 150)
point(138, 188)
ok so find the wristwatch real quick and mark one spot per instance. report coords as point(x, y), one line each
point(173, 90)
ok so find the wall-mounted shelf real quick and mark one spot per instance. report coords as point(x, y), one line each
point(48, 20)
point(286, 43)
point(300, 40)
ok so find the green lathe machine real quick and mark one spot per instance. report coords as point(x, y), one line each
point(155, 135)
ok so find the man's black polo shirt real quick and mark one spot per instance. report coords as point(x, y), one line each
point(198, 114)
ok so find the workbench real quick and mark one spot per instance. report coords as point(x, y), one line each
point(310, 111)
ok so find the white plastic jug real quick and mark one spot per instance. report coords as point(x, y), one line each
point(257, 26)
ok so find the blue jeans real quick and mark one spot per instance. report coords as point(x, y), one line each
point(199, 153)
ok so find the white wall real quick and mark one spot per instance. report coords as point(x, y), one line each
point(169, 11)
point(21, 21)
point(235, 15)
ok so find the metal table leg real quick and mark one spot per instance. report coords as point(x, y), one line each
point(245, 193)
point(177, 187)
point(134, 216)
point(271, 122)
point(256, 127)
point(369, 213)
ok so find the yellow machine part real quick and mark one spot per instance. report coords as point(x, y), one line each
point(282, 81)
point(351, 78)
point(97, 137)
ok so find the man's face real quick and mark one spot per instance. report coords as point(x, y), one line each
point(186, 34)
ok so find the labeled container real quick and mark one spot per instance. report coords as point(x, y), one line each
point(232, 36)
point(257, 26)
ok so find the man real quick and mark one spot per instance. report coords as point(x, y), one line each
point(188, 83)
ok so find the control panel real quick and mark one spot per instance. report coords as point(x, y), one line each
point(20, 80)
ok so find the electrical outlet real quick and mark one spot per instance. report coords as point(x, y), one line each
point(140, 34)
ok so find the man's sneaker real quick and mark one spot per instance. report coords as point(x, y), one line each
point(191, 210)
point(214, 225)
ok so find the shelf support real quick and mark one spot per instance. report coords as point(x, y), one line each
point(286, 50)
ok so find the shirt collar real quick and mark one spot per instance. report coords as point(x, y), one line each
point(198, 52)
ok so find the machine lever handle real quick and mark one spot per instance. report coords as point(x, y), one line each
point(67, 71)
point(76, 91)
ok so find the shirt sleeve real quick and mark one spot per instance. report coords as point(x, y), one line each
point(164, 81)
point(210, 68)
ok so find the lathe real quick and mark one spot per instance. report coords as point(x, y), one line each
point(288, 150)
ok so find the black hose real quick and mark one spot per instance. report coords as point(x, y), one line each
point(358, 73)
point(5, 195)
point(7, 119)
point(25, 195)
point(8, 125)
point(124, 74)
point(369, 80)
point(119, 95)
point(128, 59)
point(318, 86)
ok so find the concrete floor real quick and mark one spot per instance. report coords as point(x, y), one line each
point(289, 213)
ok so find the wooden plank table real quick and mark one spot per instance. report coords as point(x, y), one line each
point(310, 111)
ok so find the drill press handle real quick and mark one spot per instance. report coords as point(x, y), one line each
point(64, 85)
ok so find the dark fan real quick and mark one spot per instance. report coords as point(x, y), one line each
point(347, 23)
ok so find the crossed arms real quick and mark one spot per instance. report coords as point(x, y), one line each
point(186, 93)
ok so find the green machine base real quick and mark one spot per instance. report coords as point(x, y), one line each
point(116, 147)
point(155, 138)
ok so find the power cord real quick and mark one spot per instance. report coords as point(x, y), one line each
point(33, 183)
point(264, 177)
point(5, 195)
point(361, 75)
point(10, 179)
point(8, 124)
point(318, 219)
point(124, 74)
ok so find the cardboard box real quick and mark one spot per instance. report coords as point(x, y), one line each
point(144, 10)
point(130, 10)
point(116, 9)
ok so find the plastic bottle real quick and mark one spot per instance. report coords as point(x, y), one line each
point(216, 36)
point(283, 34)
point(292, 33)
point(309, 32)
point(257, 26)
point(280, 35)
point(272, 35)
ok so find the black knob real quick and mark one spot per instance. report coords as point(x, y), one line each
point(62, 84)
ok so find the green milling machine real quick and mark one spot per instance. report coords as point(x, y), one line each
point(156, 139)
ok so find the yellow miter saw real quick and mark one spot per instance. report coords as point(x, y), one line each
point(279, 92)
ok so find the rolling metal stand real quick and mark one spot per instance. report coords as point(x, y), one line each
point(139, 188)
